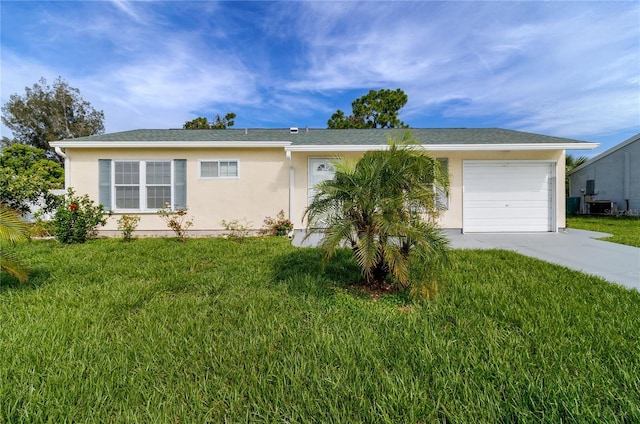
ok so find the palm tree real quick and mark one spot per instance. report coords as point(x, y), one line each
point(12, 230)
point(384, 207)
point(571, 163)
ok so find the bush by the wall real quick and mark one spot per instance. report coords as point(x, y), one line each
point(278, 226)
point(77, 218)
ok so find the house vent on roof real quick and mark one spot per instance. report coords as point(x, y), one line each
point(293, 130)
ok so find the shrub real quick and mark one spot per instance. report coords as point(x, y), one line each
point(42, 228)
point(278, 226)
point(77, 218)
point(176, 220)
point(127, 225)
point(237, 230)
point(385, 207)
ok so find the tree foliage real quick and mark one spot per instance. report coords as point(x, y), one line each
point(50, 113)
point(12, 230)
point(384, 207)
point(571, 162)
point(377, 109)
point(202, 123)
point(27, 177)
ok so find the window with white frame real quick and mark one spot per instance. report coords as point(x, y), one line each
point(127, 184)
point(158, 184)
point(442, 200)
point(218, 169)
point(142, 185)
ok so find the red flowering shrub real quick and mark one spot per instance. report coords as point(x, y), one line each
point(77, 218)
point(278, 226)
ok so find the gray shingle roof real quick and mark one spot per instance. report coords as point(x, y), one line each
point(427, 136)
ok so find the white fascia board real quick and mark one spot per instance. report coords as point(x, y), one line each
point(167, 144)
point(445, 147)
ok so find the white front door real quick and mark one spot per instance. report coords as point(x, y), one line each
point(320, 169)
point(508, 196)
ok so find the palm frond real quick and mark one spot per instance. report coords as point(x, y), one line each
point(12, 228)
point(14, 266)
point(398, 264)
point(385, 207)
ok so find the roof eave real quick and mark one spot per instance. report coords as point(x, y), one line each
point(445, 147)
point(288, 146)
point(167, 144)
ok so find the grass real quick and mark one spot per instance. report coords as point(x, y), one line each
point(217, 331)
point(624, 230)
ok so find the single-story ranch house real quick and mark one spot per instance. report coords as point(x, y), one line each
point(501, 180)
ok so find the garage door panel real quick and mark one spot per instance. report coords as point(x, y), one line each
point(507, 196)
point(522, 190)
point(522, 212)
point(507, 228)
point(510, 182)
point(511, 172)
point(499, 224)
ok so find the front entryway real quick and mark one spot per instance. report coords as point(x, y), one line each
point(320, 169)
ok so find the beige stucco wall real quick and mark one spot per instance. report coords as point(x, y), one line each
point(263, 185)
point(452, 218)
point(261, 189)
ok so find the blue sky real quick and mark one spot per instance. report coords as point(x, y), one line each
point(569, 69)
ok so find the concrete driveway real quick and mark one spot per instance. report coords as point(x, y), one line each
point(575, 249)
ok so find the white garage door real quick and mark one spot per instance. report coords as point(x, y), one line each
point(508, 196)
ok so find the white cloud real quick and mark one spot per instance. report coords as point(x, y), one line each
point(129, 9)
point(560, 68)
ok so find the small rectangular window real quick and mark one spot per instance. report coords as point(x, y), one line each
point(208, 169)
point(218, 169)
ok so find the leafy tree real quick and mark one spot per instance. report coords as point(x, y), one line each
point(202, 123)
point(384, 208)
point(27, 176)
point(12, 230)
point(50, 113)
point(377, 109)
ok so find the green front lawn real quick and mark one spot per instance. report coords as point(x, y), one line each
point(625, 230)
point(218, 331)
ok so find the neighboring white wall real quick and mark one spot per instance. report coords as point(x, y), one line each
point(612, 171)
point(35, 208)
